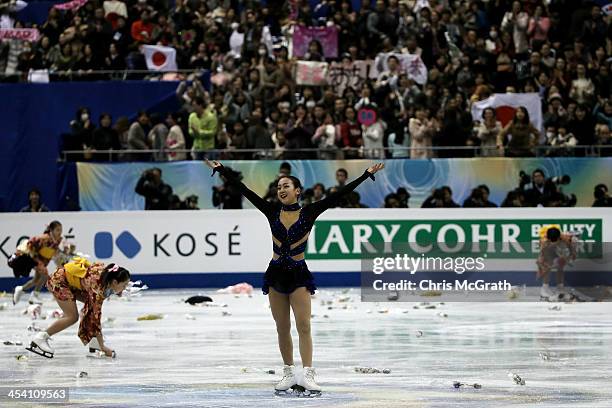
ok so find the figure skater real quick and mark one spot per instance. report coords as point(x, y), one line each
point(35, 253)
point(557, 250)
point(287, 281)
point(90, 284)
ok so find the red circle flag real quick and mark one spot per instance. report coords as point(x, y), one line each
point(505, 114)
point(158, 58)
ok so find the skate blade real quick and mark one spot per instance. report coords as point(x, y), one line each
point(100, 355)
point(310, 394)
point(292, 392)
point(34, 349)
point(297, 391)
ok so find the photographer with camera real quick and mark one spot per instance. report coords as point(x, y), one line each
point(156, 193)
point(228, 195)
point(440, 198)
point(479, 198)
point(543, 192)
point(602, 198)
point(191, 202)
point(539, 190)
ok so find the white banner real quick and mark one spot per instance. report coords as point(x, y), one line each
point(410, 64)
point(233, 241)
point(311, 73)
point(353, 74)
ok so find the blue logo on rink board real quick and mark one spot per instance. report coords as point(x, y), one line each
point(103, 245)
point(126, 242)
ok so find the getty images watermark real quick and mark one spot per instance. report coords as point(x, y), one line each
point(480, 271)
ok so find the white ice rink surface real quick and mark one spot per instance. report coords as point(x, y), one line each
point(222, 360)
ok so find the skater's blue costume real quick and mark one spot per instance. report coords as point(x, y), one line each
point(290, 225)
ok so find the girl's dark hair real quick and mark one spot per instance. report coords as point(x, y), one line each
point(486, 110)
point(399, 137)
point(553, 234)
point(52, 226)
point(525, 120)
point(120, 274)
point(80, 111)
point(105, 115)
point(296, 181)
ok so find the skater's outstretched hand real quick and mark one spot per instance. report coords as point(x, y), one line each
point(213, 164)
point(108, 352)
point(376, 167)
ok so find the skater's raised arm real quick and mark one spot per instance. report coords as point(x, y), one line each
point(333, 198)
point(262, 205)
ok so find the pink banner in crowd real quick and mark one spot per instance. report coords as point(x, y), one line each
point(71, 5)
point(25, 34)
point(326, 36)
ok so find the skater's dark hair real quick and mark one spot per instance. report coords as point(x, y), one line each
point(296, 181)
point(553, 234)
point(114, 272)
point(52, 226)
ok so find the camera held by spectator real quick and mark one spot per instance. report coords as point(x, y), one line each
point(440, 198)
point(191, 202)
point(602, 197)
point(157, 194)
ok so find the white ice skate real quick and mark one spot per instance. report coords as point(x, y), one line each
point(96, 351)
point(288, 383)
point(311, 388)
point(547, 294)
point(40, 345)
point(17, 294)
point(35, 299)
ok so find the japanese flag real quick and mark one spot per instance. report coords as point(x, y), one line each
point(506, 104)
point(160, 58)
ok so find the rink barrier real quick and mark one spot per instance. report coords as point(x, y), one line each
point(213, 248)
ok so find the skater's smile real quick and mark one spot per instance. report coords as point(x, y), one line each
point(288, 190)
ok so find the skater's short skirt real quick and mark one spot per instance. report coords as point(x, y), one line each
point(58, 285)
point(286, 275)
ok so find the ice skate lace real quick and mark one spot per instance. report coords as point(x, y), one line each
point(309, 375)
point(287, 376)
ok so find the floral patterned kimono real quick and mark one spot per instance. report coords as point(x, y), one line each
point(80, 280)
point(42, 249)
point(555, 254)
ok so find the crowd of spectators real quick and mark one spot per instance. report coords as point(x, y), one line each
point(559, 49)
